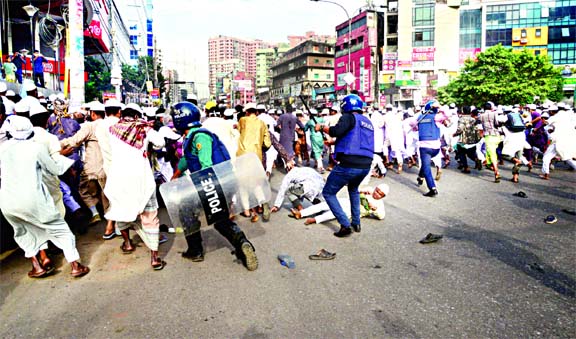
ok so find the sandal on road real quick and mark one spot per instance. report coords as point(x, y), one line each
point(322, 255)
point(431, 238)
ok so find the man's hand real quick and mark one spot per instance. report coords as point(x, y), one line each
point(66, 151)
point(318, 127)
point(274, 209)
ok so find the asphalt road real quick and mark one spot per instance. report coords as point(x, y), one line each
point(499, 272)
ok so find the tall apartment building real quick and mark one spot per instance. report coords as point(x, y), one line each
point(295, 40)
point(222, 49)
point(307, 69)
point(265, 59)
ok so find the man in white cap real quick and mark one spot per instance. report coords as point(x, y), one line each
point(26, 203)
point(113, 113)
point(562, 134)
point(225, 132)
point(92, 177)
point(31, 93)
point(271, 153)
point(130, 184)
point(8, 104)
point(371, 205)
point(254, 138)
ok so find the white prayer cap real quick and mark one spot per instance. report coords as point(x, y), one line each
point(10, 93)
point(384, 188)
point(52, 97)
point(168, 133)
point(61, 96)
point(3, 87)
point(271, 111)
point(22, 106)
point(191, 96)
point(29, 86)
point(249, 105)
point(229, 112)
point(37, 108)
point(313, 111)
point(452, 105)
point(112, 103)
point(20, 128)
point(553, 108)
point(531, 106)
point(261, 107)
point(389, 106)
point(74, 109)
point(134, 107)
point(545, 115)
point(97, 106)
point(298, 111)
point(325, 111)
point(149, 111)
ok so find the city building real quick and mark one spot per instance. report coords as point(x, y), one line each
point(265, 59)
point(307, 70)
point(137, 16)
point(295, 40)
point(222, 49)
point(424, 43)
point(359, 46)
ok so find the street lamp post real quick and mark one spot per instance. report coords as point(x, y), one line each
point(349, 28)
point(31, 11)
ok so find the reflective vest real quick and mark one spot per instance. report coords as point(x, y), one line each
point(358, 141)
point(219, 151)
point(427, 128)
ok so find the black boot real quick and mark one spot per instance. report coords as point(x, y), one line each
point(243, 249)
point(195, 250)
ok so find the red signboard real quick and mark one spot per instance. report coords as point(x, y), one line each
point(423, 54)
point(404, 64)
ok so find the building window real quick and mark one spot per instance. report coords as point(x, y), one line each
point(149, 26)
point(316, 61)
point(316, 76)
point(134, 40)
point(328, 62)
point(133, 54)
point(538, 32)
point(523, 33)
point(328, 76)
point(499, 36)
point(150, 40)
point(423, 37)
point(423, 16)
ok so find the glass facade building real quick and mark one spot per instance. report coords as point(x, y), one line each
point(547, 27)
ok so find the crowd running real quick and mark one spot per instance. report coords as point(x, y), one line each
point(64, 168)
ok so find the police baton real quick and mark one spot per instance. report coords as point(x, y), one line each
point(311, 115)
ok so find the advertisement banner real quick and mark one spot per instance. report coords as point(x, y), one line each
point(404, 64)
point(468, 53)
point(423, 53)
point(388, 65)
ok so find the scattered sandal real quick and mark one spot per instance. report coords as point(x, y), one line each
point(82, 271)
point(520, 194)
point(430, 238)
point(322, 255)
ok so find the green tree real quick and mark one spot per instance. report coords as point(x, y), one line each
point(135, 77)
point(98, 79)
point(504, 76)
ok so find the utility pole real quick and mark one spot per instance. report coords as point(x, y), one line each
point(76, 57)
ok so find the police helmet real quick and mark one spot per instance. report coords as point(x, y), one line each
point(431, 104)
point(185, 115)
point(352, 103)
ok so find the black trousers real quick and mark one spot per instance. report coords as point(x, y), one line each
point(464, 153)
point(39, 79)
point(228, 229)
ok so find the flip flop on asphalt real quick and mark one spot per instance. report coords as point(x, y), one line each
point(159, 266)
point(550, 219)
point(322, 255)
point(109, 236)
point(520, 194)
point(430, 238)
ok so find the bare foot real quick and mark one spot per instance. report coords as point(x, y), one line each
point(310, 221)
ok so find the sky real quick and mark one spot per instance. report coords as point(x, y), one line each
point(183, 27)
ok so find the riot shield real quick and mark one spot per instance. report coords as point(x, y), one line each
point(213, 194)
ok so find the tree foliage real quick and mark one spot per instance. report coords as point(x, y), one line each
point(98, 79)
point(504, 76)
point(134, 77)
